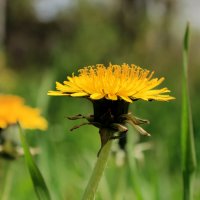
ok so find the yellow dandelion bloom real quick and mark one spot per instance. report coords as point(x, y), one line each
point(13, 110)
point(114, 82)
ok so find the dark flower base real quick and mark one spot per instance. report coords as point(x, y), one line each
point(107, 112)
point(111, 117)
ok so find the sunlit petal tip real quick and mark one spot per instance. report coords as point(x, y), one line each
point(166, 90)
point(56, 93)
point(3, 124)
point(69, 78)
point(126, 98)
point(161, 79)
point(59, 86)
point(112, 97)
point(97, 96)
point(79, 94)
point(171, 98)
point(58, 83)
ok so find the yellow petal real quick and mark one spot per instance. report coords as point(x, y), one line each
point(3, 123)
point(126, 98)
point(79, 94)
point(59, 86)
point(112, 97)
point(97, 96)
point(56, 93)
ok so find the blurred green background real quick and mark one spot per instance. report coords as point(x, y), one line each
point(43, 41)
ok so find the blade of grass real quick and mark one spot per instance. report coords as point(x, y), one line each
point(187, 136)
point(8, 182)
point(39, 184)
point(120, 183)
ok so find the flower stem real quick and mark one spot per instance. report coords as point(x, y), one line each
point(98, 170)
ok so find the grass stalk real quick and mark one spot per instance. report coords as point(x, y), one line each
point(39, 184)
point(98, 170)
point(8, 182)
point(187, 136)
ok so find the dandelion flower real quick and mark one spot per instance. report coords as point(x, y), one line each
point(13, 110)
point(114, 82)
point(111, 89)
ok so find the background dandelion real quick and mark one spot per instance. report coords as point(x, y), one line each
point(40, 45)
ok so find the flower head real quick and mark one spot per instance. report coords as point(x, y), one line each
point(114, 82)
point(111, 89)
point(13, 110)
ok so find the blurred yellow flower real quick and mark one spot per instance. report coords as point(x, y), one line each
point(13, 110)
point(114, 82)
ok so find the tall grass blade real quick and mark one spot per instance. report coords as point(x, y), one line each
point(39, 184)
point(5, 195)
point(187, 136)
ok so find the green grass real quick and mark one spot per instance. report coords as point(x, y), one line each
point(39, 184)
point(187, 136)
point(67, 158)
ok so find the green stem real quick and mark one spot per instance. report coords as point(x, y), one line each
point(187, 135)
point(98, 170)
point(187, 179)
